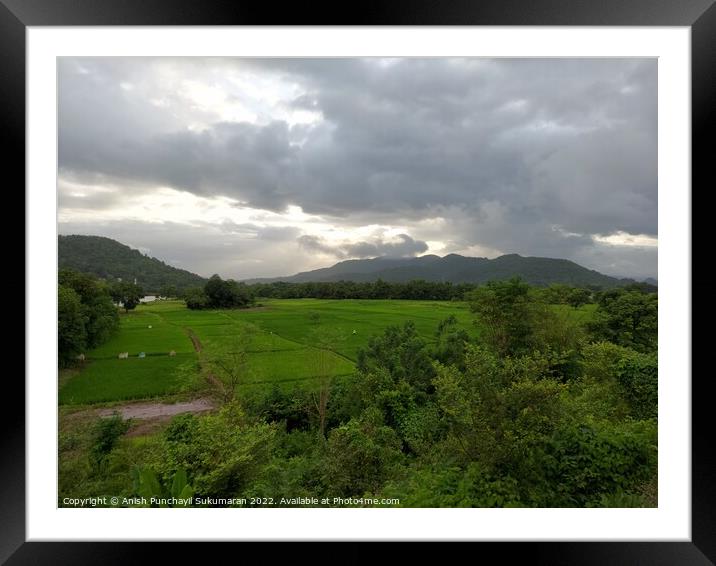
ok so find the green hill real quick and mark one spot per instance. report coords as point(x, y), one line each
point(110, 260)
point(541, 271)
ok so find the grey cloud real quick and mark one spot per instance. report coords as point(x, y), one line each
point(404, 247)
point(507, 147)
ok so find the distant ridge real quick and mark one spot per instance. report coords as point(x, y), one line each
point(541, 271)
point(108, 259)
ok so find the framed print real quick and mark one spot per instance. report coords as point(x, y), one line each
point(392, 280)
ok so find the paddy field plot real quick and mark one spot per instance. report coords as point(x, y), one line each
point(104, 380)
point(292, 341)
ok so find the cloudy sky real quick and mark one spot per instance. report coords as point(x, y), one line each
point(266, 167)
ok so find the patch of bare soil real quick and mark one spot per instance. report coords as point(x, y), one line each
point(156, 410)
point(147, 426)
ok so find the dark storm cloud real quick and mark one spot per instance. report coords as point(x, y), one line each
point(508, 148)
point(404, 247)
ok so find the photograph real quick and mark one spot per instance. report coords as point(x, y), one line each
point(357, 282)
point(395, 279)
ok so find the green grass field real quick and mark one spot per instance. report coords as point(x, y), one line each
point(104, 380)
point(292, 340)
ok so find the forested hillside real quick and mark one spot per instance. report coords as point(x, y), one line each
point(540, 271)
point(110, 260)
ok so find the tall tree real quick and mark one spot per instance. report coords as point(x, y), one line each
point(505, 311)
point(71, 320)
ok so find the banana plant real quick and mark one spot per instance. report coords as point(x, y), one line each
point(147, 485)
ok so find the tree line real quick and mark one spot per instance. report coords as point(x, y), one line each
point(417, 290)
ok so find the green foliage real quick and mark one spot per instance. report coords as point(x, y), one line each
point(86, 316)
point(454, 487)
point(450, 342)
point(229, 361)
point(626, 376)
point(169, 291)
point(221, 453)
point(360, 456)
point(638, 374)
point(71, 325)
point(498, 405)
point(226, 294)
point(627, 318)
point(560, 336)
point(583, 462)
point(106, 432)
point(126, 293)
point(112, 261)
point(402, 354)
point(505, 311)
point(578, 297)
point(437, 415)
point(386, 277)
point(175, 493)
point(219, 294)
point(275, 404)
point(620, 499)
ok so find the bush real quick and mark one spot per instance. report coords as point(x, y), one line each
point(633, 376)
point(221, 453)
point(106, 432)
point(454, 487)
point(638, 374)
point(584, 462)
point(627, 318)
point(360, 456)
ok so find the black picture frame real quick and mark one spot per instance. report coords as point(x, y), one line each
point(699, 15)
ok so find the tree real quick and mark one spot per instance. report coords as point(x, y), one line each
point(169, 291)
point(578, 297)
point(497, 406)
point(402, 354)
point(101, 318)
point(195, 298)
point(505, 313)
point(221, 453)
point(451, 341)
point(227, 294)
point(627, 318)
point(128, 294)
point(360, 456)
point(71, 320)
point(325, 340)
point(229, 362)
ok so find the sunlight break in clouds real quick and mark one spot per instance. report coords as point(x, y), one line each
point(265, 167)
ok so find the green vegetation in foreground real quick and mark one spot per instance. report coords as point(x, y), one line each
point(537, 406)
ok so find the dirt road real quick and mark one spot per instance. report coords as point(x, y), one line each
point(154, 410)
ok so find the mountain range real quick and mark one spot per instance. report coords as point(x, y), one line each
point(111, 260)
point(455, 268)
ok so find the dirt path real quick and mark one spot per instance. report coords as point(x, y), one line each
point(210, 377)
point(194, 340)
point(154, 410)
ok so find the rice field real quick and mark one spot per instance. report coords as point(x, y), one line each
point(291, 341)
